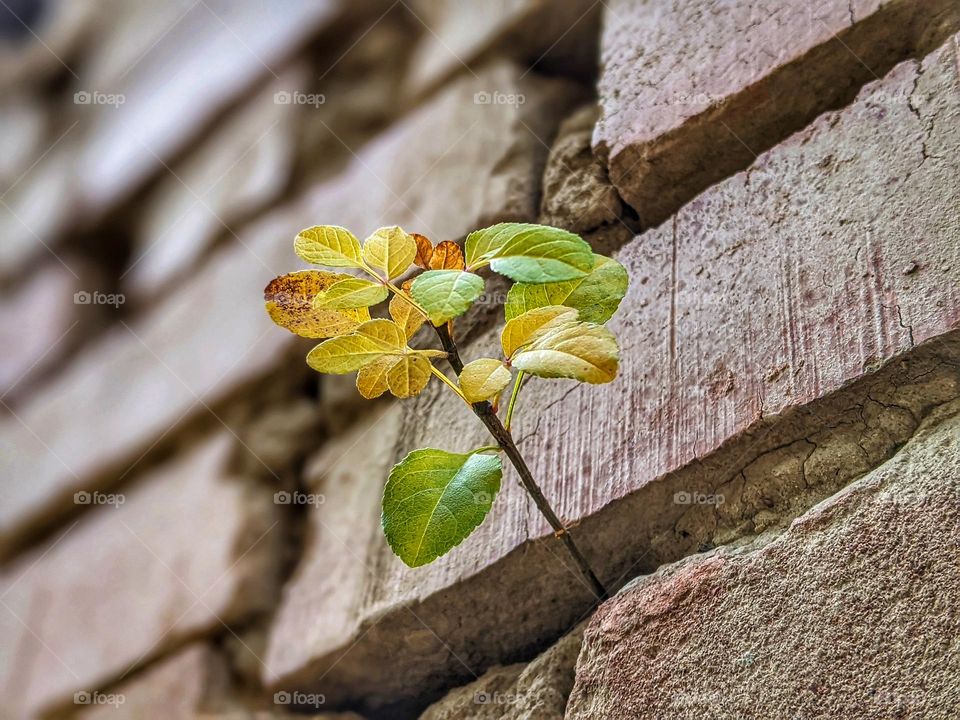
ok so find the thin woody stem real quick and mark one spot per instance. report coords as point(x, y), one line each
point(504, 439)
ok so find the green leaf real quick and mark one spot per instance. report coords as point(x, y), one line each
point(391, 250)
point(329, 245)
point(434, 499)
point(596, 295)
point(351, 292)
point(529, 253)
point(289, 300)
point(577, 350)
point(483, 379)
point(371, 341)
point(446, 294)
point(521, 330)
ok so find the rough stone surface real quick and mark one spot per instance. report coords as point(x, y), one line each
point(534, 691)
point(577, 194)
point(556, 34)
point(213, 337)
point(680, 113)
point(786, 360)
point(850, 613)
point(126, 581)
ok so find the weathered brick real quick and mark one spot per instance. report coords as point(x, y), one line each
point(37, 325)
point(849, 613)
point(694, 91)
point(820, 289)
point(450, 167)
point(180, 685)
point(556, 34)
point(166, 103)
point(188, 550)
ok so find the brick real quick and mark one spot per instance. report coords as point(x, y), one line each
point(849, 613)
point(165, 102)
point(178, 687)
point(37, 325)
point(243, 167)
point(126, 581)
point(783, 334)
point(694, 91)
point(557, 35)
point(450, 167)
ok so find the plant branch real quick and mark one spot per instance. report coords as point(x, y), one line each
point(504, 439)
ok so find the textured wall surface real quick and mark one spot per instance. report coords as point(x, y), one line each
point(190, 518)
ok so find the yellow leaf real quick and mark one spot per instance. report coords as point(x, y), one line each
point(483, 379)
point(372, 378)
point(384, 331)
point(523, 328)
point(329, 245)
point(391, 250)
point(424, 251)
point(447, 256)
point(289, 301)
point(408, 376)
point(405, 315)
point(351, 292)
point(577, 350)
point(370, 341)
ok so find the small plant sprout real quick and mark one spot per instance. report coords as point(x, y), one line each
point(555, 314)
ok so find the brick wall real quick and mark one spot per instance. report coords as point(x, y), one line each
point(189, 525)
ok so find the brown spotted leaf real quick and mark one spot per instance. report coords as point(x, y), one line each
point(289, 301)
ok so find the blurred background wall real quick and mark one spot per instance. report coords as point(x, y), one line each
point(189, 517)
